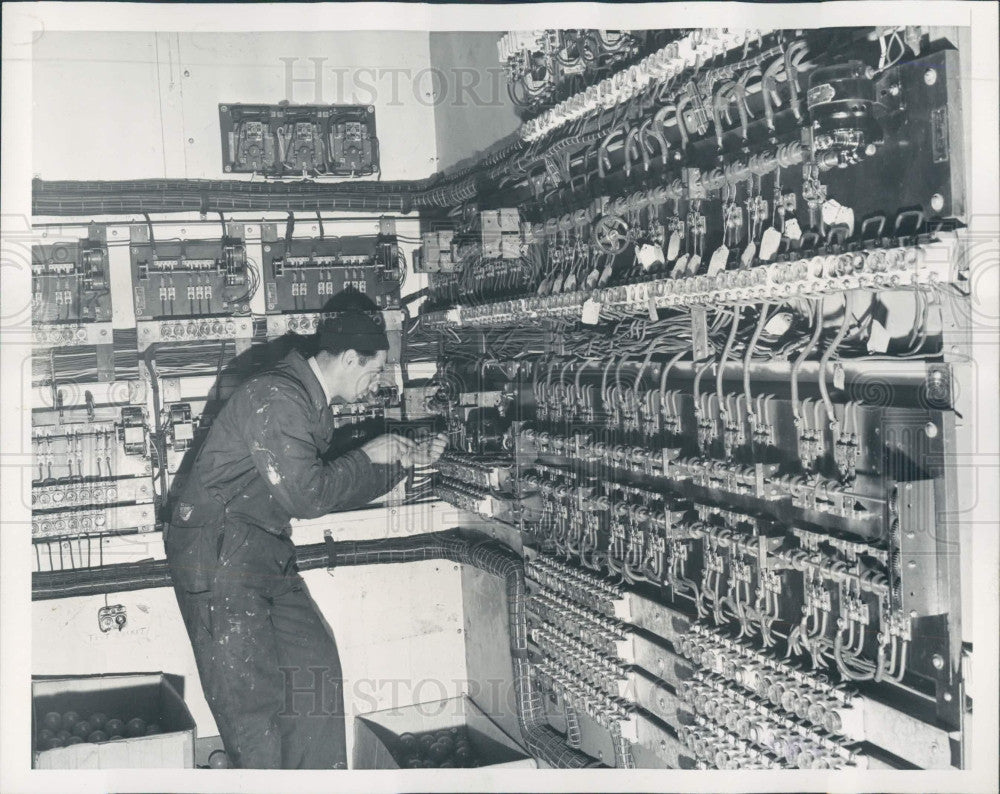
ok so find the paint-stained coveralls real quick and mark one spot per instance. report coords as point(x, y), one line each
point(267, 661)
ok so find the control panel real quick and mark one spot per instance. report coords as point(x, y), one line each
point(287, 140)
point(706, 370)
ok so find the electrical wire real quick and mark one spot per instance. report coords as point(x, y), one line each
point(152, 234)
point(720, 367)
point(824, 362)
point(794, 375)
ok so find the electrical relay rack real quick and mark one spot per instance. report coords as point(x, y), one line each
point(709, 381)
point(698, 333)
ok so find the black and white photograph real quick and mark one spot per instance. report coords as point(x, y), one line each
point(418, 397)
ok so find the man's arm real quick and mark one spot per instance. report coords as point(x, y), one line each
point(276, 427)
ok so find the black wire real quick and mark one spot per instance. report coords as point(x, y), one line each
point(253, 283)
point(152, 236)
point(289, 228)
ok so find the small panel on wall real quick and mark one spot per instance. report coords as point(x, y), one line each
point(70, 280)
point(294, 140)
point(303, 274)
point(190, 278)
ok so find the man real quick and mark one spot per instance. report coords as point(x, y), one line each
point(255, 631)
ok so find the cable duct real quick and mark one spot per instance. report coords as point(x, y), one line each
point(64, 197)
point(488, 555)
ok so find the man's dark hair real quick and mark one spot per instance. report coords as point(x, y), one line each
point(355, 323)
point(352, 330)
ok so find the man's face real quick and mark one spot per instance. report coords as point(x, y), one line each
point(364, 375)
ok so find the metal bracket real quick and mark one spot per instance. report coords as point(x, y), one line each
point(699, 333)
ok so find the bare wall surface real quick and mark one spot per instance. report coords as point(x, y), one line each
point(145, 105)
point(472, 108)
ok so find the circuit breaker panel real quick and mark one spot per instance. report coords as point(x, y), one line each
point(707, 374)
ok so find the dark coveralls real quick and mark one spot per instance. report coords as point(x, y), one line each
point(267, 661)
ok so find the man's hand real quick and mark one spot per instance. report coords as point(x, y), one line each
point(388, 449)
point(426, 452)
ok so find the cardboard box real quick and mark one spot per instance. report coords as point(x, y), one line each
point(154, 697)
point(376, 734)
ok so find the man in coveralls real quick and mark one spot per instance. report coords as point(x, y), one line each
point(256, 632)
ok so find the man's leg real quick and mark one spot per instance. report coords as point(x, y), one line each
point(244, 684)
point(312, 720)
point(255, 636)
point(192, 554)
point(196, 611)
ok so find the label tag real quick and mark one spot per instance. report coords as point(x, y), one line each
point(820, 94)
point(718, 261)
point(749, 254)
point(831, 207)
point(673, 246)
point(792, 230)
point(838, 376)
point(878, 339)
point(778, 325)
point(649, 255)
point(680, 266)
point(940, 150)
point(769, 244)
point(651, 306)
point(845, 217)
point(591, 313)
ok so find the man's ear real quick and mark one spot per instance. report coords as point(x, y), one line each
point(349, 358)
